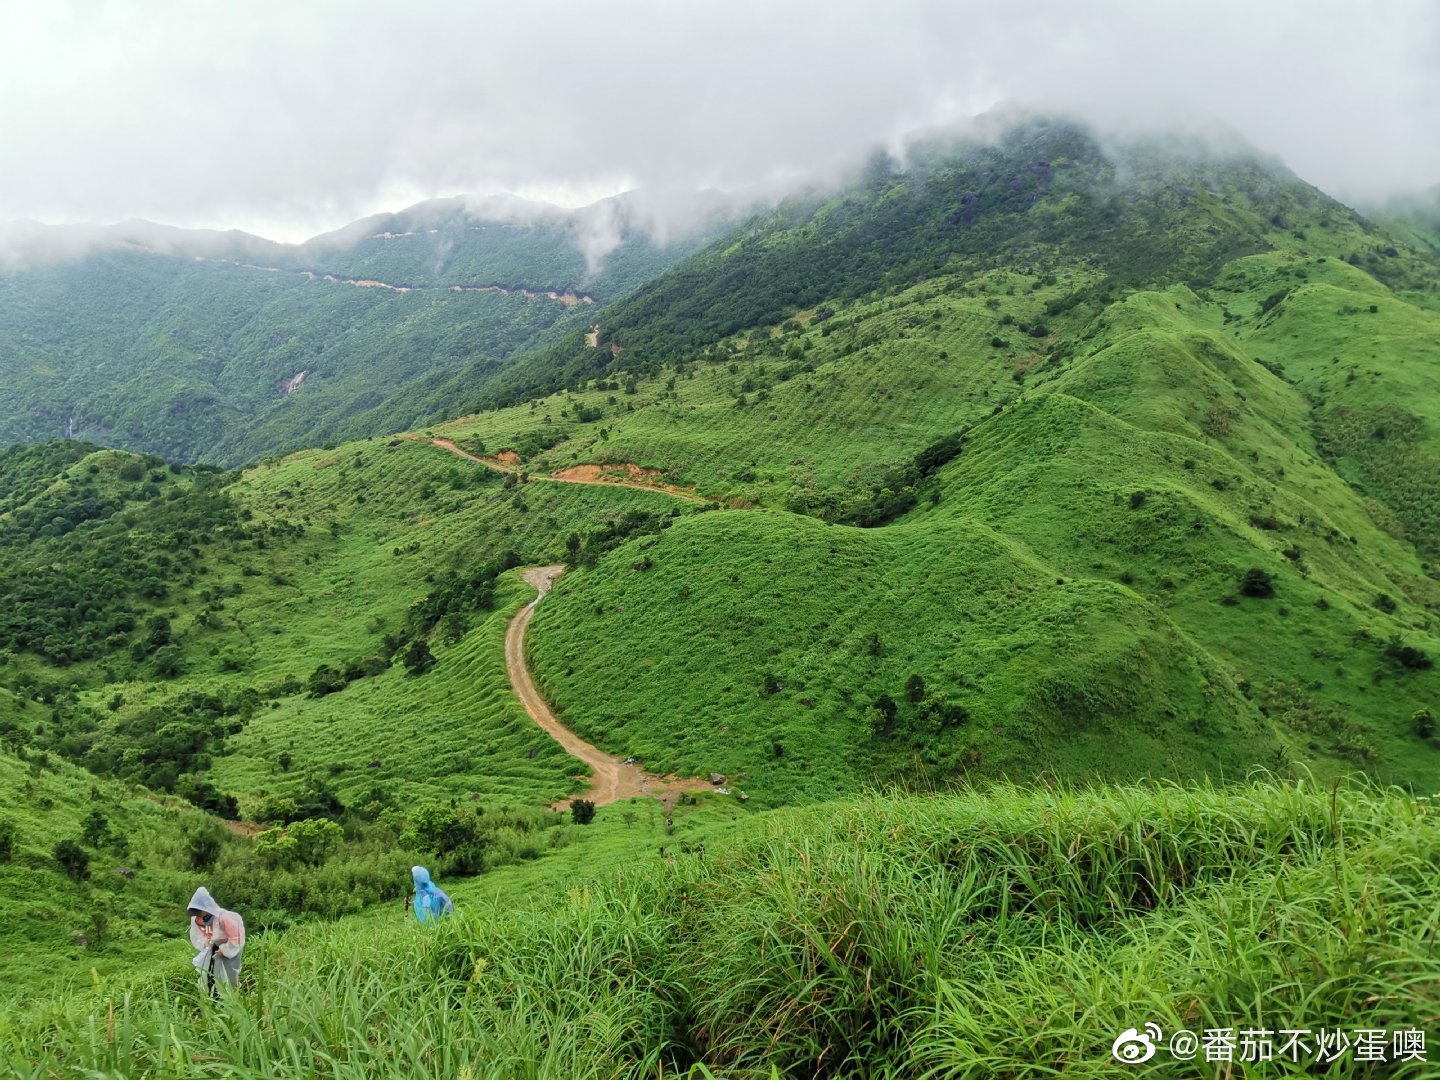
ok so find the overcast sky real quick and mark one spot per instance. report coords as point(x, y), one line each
point(286, 118)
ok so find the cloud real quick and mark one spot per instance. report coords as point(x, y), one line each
point(286, 119)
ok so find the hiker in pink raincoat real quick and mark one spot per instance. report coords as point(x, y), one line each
point(219, 937)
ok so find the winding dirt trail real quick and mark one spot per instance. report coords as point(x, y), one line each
point(630, 476)
point(613, 779)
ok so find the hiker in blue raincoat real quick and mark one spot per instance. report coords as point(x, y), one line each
point(430, 902)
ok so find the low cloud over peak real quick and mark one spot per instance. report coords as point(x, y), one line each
point(288, 120)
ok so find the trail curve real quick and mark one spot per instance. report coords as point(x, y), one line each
point(595, 475)
point(613, 780)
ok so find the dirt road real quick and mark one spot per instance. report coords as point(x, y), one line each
point(599, 475)
point(613, 780)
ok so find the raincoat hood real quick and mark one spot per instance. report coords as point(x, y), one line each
point(418, 874)
point(203, 901)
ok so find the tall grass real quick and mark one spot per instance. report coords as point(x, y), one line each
point(1004, 933)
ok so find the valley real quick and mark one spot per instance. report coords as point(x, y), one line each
point(1039, 536)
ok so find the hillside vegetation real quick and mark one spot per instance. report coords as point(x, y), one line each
point(1022, 483)
point(1004, 933)
point(226, 349)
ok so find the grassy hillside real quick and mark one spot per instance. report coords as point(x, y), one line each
point(1120, 473)
point(195, 360)
point(1110, 545)
point(1000, 933)
point(108, 913)
point(1150, 458)
point(1414, 218)
point(1046, 197)
point(180, 345)
point(1370, 366)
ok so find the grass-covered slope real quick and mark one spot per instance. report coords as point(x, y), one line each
point(1042, 196)
point(1370, 365)
point(770, 663)
point(228, 349)
point(212, 361)
point(107, 907)
point(1002, 933)
point(1152, 467)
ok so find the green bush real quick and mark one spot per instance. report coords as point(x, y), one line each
point(418, 658)
point(1257, 582)
point(74, 860)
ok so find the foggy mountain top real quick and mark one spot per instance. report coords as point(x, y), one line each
point(290, 120)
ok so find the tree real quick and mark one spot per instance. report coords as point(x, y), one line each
point(277, 808)
point(315, 839)
point(96, 828)
point(277, 849)
point(73, 859)
point(914, 689)
point(202, 847)
point(1257, 582)
point(169, 661)
point(582, 811)
point(325, 679)
point(418, 658)
point(442, 829)
point(202, 793)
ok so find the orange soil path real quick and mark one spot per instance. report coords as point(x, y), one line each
point(613, 780)
point(630, 476)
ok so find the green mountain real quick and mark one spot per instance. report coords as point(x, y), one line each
point(1078, 484)
point(225, 348)
point(1414, 218)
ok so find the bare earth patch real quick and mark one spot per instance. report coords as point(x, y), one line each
point(622, 475)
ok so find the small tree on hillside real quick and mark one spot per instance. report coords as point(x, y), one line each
point(96, 828)
point(418, 658)
point(915, 689)
point(202, 847)
point(582, 811)
point(73, 859)
point(1257, 582)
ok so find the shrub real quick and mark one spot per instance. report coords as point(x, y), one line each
point(939, 453)
point(1407, 656)
point(73, 859)
point(1424, 721)
point(202, 848)
point(325, 679)
point(418, 658)
point(582, 811)
point(7, 840)
point(1257, 582)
